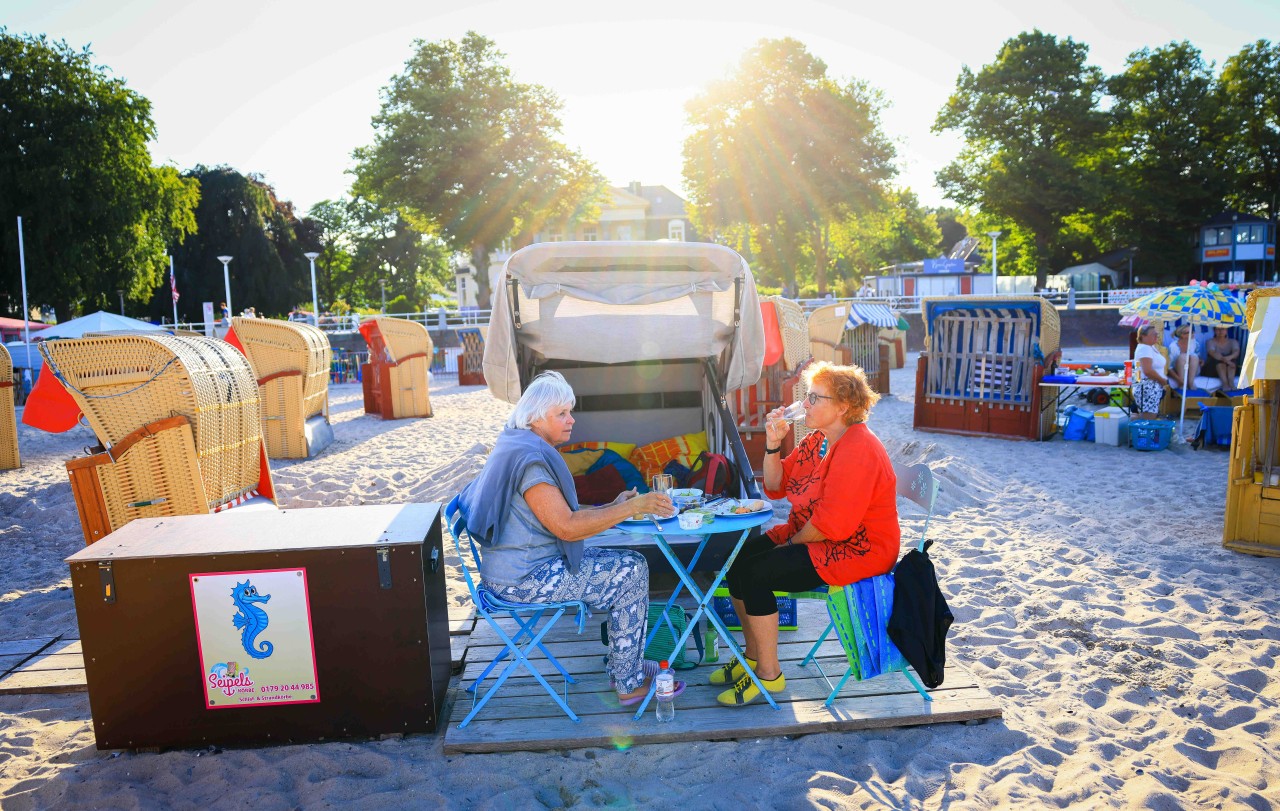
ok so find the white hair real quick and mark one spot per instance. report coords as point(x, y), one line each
point(547, 392)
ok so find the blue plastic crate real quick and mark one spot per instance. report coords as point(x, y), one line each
point(1079, 426)
point(1151, 435)
point(723, 606)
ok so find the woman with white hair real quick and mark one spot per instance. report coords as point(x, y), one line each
point(523, 509)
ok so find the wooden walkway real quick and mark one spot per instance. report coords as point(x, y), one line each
point(48, 664)
point(532, 721)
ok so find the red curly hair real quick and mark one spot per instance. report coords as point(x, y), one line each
point(848, 386)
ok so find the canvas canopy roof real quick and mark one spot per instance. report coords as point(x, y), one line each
point(1262, 353)
point(878, 315)
point(617, 302)
point(100, 321)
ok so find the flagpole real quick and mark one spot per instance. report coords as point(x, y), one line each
point(26, 311)
point(173, 285)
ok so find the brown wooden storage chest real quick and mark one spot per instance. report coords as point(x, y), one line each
point(265, 626)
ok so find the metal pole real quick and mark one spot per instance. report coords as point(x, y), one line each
point(120, 293)
point(26, 310)
point(173, 284)
point(226, 280)
point(315, 301)
point(994, 236)
point(383, 282)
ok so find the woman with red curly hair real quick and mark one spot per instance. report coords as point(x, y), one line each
point(843, 525)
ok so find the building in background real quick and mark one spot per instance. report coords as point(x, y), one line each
point(1236, 248)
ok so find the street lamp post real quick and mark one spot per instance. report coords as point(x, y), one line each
point(994, 236)
point(383, 282)
point(226, 279)
point(315, 302)
point(120, 293)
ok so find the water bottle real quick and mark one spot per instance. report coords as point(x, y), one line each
point(666, 693)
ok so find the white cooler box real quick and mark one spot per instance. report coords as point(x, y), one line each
point(1111, 426)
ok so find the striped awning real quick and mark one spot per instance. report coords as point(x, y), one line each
point(1262, 354)
point(878, 315)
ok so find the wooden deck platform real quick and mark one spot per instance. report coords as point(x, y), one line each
point(532, 721)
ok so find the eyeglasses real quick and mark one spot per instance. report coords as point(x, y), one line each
point(814, 397)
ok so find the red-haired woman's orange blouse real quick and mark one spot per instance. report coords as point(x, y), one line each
point(850, 495)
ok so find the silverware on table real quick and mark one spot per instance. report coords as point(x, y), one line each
point(654, 519)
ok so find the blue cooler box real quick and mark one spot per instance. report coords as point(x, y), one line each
point(1151, 435)
point(1079, 426)
point(723, 606)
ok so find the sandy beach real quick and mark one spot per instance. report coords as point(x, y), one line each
point(1134, 657)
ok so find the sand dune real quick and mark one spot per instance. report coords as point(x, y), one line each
point(1136, 659)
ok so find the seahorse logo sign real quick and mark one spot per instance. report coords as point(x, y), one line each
point(250, 619)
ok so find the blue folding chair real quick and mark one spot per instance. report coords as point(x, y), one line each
point(528, 616)
point(860, 612)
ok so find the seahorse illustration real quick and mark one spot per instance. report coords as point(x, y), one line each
point(250, 619)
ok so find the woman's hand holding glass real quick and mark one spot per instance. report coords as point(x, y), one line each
point(653, 503)
point(777, 424)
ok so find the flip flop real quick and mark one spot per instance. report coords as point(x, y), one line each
point(650, 670)
point(631, 702)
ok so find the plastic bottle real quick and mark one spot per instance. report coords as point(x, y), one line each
point(665, 693)
point(711, 644)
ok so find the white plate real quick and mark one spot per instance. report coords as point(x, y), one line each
point(1097, 379)
point(726, 509)
point(645, 522)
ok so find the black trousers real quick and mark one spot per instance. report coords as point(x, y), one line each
point(763, 567)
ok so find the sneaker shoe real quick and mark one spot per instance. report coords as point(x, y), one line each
point(728, 674)
point(744, 691)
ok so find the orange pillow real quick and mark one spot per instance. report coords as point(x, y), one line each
point(652, 458)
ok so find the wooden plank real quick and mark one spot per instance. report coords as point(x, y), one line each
point(457, 652)
point(53, 661)
point(11, 661)
point(27, 647)
point(719, 723)
point(43, 681)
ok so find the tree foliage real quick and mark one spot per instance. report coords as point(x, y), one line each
point(239, 216)
point(900, 229)
point(97, 216)
point(1250, 85)
point(786, 151)
point(464, 151)
point(1033, 130)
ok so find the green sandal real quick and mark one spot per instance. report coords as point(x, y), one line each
point(730, 673)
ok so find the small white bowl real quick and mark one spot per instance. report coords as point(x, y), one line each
point(690, 520)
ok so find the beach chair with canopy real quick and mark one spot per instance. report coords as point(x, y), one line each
point(651, 335)
point(178, 420)
point(528, 617)
point(786, 352)
point(980, 371)
point(9, 456)
point(1252, 522)
point(292, 364)
point(848, 333)
point(471, 358)
point(396, 378)
point(860, 612)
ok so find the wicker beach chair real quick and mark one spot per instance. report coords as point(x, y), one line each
point(179, 422)
point(292, 365)
point(9, 456)
point(396, 377)
point(778, 383)
point(836, 337)
point(471, 358)
point(981, 367)
point(1252, 519)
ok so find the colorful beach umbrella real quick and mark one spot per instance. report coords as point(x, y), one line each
point(1196, 304)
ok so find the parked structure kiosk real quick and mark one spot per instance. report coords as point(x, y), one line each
point(10, 459)
point(265, 627)
point(178, 420)
point(396, 378)
point(1253, 479)
point(291, 362)
point(980, 370)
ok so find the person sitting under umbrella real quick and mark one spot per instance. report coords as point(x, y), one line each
point(1184, 363)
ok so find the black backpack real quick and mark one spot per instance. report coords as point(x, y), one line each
point(921, 617)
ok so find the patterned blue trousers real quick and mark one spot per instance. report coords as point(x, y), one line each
point(610, 580)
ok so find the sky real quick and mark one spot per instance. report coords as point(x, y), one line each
point(287, 90)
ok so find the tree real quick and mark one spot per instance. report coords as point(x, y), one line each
point(464, 151)
point(782, 148)
point(97, 216)
point(1033, 133)
point(1250, 85)
point(1165, 142)
point(362, 245)
point(900, 231)
point(239, 216)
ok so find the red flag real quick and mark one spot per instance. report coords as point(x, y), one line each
point(173, 284)
point(50, 407)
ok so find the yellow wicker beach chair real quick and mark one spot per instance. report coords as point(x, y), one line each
point(396, 376)
point(1252, 521)
point(831, 340)
point(9, 457)
point(179, 422)
point(291, 362)
point(777, 384)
